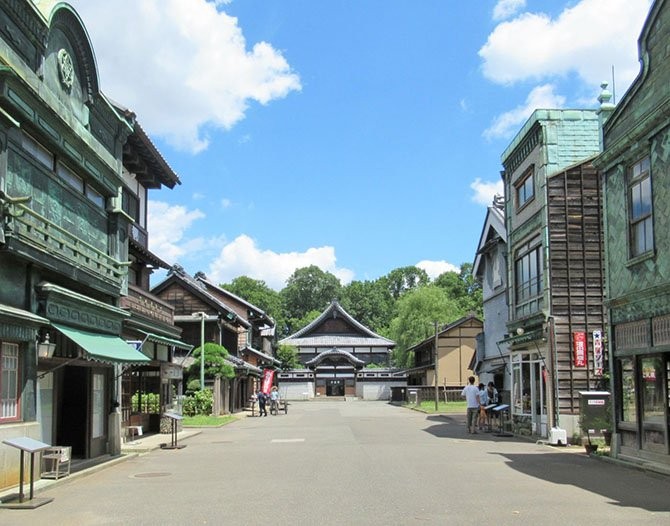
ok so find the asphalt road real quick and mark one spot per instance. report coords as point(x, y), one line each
point(348, 463)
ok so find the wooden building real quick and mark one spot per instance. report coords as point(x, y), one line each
point(491, 362)
point(555, 268)
point(456, 348)
point(63, 238)
point(150, 390)
point(635, 165)
point(335, 350)
point(205, 309)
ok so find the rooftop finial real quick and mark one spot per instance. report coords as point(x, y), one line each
point(605, 97)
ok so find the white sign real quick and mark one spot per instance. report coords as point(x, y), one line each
point(597, 353)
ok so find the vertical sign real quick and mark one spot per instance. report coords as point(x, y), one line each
point(598, 353)
point(579, 343)
point(268, 376)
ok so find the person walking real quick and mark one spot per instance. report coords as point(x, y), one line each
point(471, 395)
point(483, 402)
point(274, 400)
point(262, 399)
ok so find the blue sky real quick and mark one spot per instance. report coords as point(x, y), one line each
point(359, 136)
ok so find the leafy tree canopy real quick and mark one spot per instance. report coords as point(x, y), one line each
point(215, 363)
point(464, 288)
point(369, 302)
point(308, 289)
point(405, 279)
point(288, 355)
point(417, 312)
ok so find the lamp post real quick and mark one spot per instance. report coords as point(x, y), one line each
point(201, 315)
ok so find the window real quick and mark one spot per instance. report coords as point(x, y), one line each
point(9, 382)
point(641, 226)
point(70, 177)
point(95, 197)
point(130, 205)
point(528, 274)
point(39, 152)
point(525, 190)
point(627, 395)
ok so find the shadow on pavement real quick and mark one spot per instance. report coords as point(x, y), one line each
point(453, 426)
point(623, 486)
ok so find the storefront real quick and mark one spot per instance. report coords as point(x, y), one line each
point(529, 394)
point(642, 387)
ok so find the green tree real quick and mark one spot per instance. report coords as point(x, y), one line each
point(215, 363)
point(308, 289)
point(417, 312)
point(288, 355)
point(405, 279)
point(369, 302)
point(463, 288)
point(256, 292)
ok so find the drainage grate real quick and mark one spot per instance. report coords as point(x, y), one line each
point(151, 475)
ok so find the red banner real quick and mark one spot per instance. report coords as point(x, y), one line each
point(268, 376)
point(579, 343)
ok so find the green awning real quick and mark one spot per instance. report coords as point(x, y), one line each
point(157, 338)
point(103, 347)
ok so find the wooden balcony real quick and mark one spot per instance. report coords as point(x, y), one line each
point(138, 235)
point(56, 247)
point(145, 304)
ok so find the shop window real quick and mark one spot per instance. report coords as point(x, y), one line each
point(628, 394)
point(9, 382)
point(652, 393)
point(641, 228)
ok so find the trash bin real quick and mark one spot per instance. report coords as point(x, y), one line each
point(413, 396)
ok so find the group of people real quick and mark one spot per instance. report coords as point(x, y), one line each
point(263, 398)
point(477, 399)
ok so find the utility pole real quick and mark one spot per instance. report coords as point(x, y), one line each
point(437, 385)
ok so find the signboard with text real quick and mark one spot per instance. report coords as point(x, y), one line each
point(598, 353)
point(579, 348)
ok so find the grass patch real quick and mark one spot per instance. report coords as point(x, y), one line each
point(207, 420)
point(428, 406)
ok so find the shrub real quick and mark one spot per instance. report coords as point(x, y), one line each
point(199, 403)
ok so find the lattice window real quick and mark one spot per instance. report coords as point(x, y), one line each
point(633, 335)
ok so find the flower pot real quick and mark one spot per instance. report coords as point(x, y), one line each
point(607, 435)
point(590, 448)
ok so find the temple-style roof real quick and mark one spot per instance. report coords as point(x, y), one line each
point(335, 354)
point(317, 334)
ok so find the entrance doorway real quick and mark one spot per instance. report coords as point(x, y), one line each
point(72, 412)
point(335, 387)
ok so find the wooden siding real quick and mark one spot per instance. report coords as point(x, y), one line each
point(576, 269)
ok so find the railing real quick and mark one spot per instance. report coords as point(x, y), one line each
point(35, 230)
point(138, 234)
point(142, 302)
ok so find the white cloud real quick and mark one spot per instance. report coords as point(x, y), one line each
point(586, 39)
point(243, 257)
point(182, 65)
point(226, 203)
point(506, 124)
point(484, 191)
point(506, 8)
point(435, 268)
point(167, 224)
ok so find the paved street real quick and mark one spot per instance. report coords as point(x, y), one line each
point(355, 463)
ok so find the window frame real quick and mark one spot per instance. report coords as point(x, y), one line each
point(640, 212)
point(5, 346)
point(524, 188)
point(534, 282)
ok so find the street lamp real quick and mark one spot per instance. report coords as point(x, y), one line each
point(201, 315)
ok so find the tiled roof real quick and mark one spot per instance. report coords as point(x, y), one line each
point(335, 309)
point(335, 352)
point(336, 341)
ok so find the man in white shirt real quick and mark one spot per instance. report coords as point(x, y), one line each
point(471, 394)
